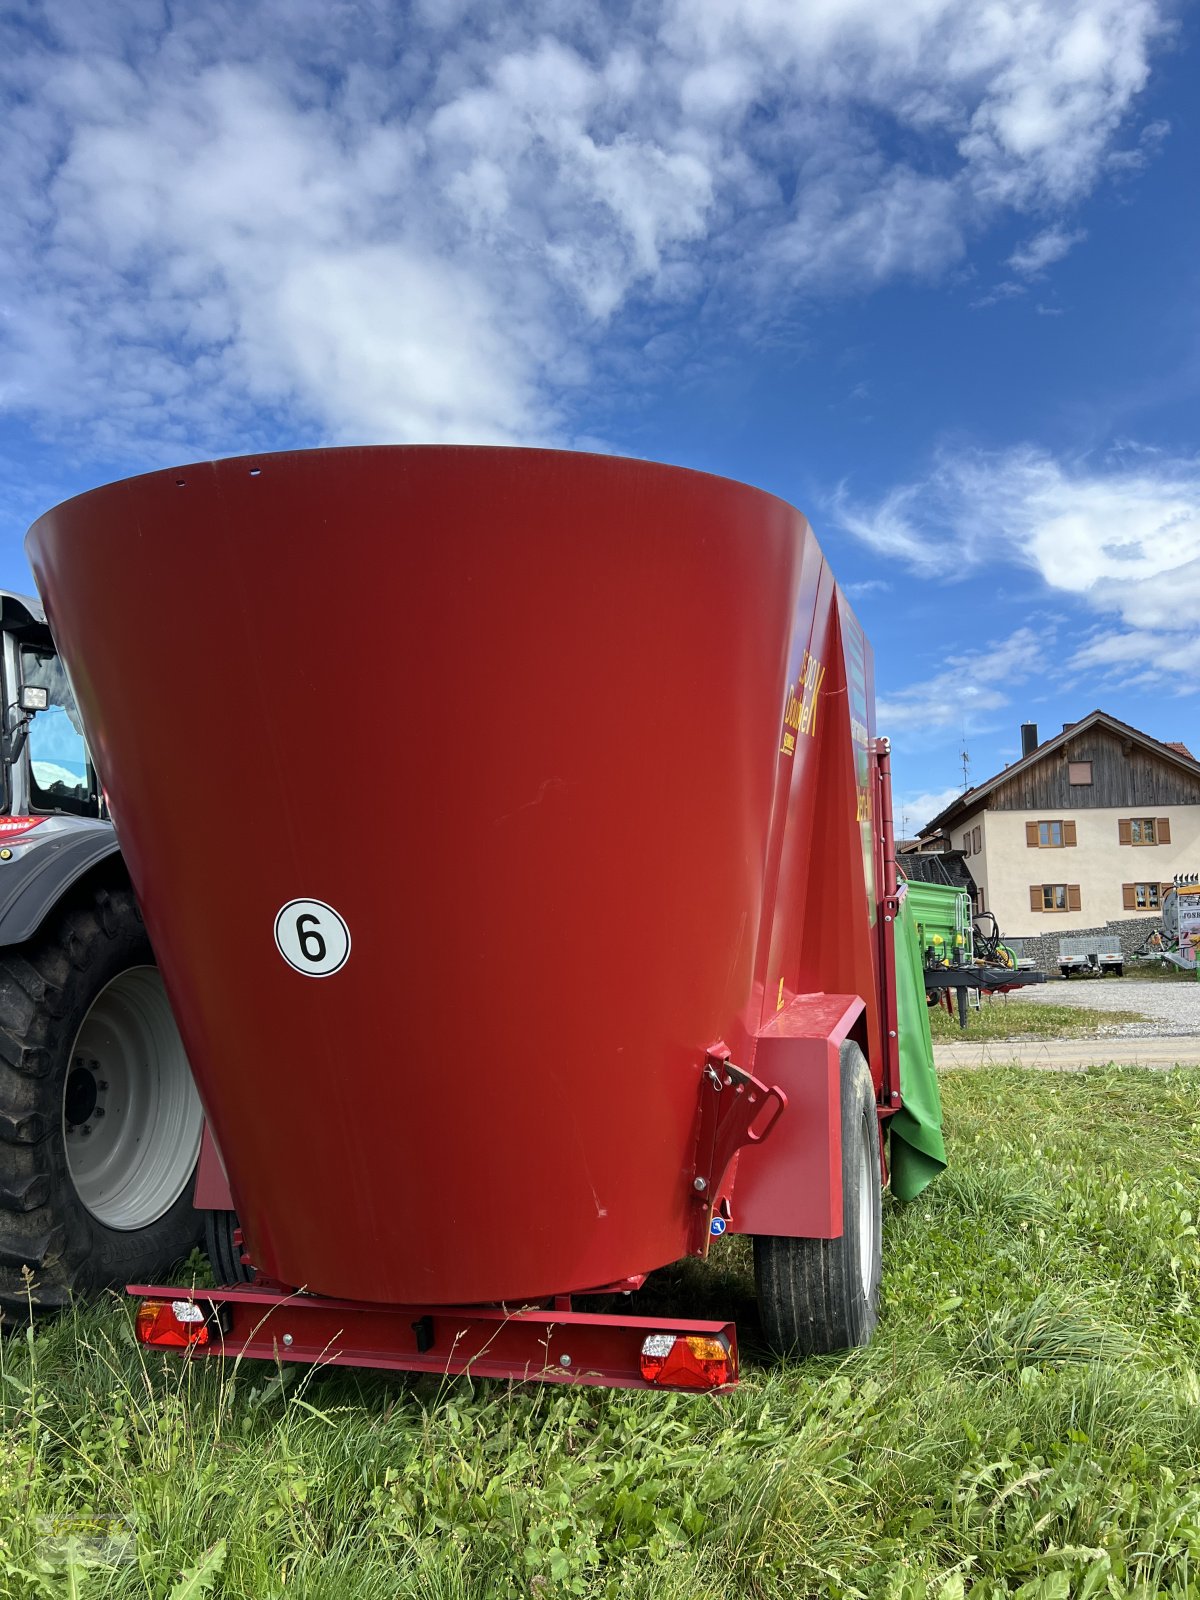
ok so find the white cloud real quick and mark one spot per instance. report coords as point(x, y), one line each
point(1121, 536)
point(868, 586)
point(914, 809)
point(1118, 534)
point(1043, 250)
point(940, 703)
point(969, 686)
point(226, 222)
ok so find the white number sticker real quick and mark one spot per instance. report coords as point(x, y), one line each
point(312, 938)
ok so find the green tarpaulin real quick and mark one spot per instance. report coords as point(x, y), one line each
point(917, 1151)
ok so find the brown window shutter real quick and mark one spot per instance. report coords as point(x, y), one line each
point(1073, 901)
point(1035, 897)
point(1162, 830)
point(1069, 833)
point(1124, 831)
point(1128, 897)
point(1031, 834)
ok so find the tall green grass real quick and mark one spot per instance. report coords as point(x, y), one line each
point(1026, 1422)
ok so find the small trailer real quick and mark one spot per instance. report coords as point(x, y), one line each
point(1091, 955)
point(545, 923)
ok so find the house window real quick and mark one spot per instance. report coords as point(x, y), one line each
point(980, 903)
point(976, 840)
point(966, 844)
point(1054, 897)
point(1050, 835)
point(1079, 772)
point(1144, 830)
point(1141, 896)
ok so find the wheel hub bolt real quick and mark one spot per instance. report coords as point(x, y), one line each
point(98, 1112)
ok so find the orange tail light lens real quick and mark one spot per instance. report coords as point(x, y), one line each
point(171, 1324)
point(687, 1361)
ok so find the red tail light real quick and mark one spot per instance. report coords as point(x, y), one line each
point(171, 1324)
point(10, 826)
point(687, 1361)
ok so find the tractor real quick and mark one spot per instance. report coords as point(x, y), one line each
point(100, 1122)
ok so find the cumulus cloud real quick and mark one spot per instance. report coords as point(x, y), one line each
point(1119, 534)
point(1102, 530)
point(228, 223)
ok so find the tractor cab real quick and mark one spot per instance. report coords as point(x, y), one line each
point(47, 769)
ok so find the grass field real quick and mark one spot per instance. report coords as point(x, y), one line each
point(1026, 1423)
point(1001, 1017)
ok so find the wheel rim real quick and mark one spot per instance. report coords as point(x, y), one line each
point(866, 1210)
point(131, 1115)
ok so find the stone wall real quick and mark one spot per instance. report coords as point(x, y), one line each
point(1042, 949)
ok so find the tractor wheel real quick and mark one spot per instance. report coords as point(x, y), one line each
point(225, 1249)
point(816, 1296)
point(99, 1118)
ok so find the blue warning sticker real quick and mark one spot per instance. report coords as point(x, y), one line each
point(717, 1227)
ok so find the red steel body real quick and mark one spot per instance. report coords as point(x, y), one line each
point(578, 748)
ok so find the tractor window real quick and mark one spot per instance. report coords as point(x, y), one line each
point(61, 775)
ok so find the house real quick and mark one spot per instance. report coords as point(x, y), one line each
point(1084, 833)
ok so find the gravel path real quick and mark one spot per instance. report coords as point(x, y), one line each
point(1170, 1009)
point(1069, 1055)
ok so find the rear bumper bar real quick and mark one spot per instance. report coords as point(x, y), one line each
point(542, 1344)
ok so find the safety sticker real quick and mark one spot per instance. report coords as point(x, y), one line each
point(717, 1227)
point(312, 938)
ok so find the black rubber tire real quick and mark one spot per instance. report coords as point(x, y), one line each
point(51, 1247)
point(811, 1296)
point(224, 1251)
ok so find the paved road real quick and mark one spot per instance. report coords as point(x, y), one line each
point(1066, 1055)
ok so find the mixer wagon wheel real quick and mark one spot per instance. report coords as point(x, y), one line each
point(223, 1242)
point(99, 1118)
point(820, 1295)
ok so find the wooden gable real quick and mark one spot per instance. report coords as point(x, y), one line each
point(1124, 773)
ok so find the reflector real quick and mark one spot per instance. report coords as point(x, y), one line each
point(686, 1361)
point(171, 1325)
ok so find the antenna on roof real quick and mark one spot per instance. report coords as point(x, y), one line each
point(966, 761)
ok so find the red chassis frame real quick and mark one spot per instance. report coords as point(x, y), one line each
point(546, 1344)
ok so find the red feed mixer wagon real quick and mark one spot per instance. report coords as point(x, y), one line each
point(541, 922)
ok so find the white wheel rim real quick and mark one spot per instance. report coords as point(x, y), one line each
point(866, 1211)
point(131, 1115)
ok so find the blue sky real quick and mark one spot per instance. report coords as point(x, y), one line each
point(929, 269)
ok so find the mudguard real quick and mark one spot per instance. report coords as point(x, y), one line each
point(43, 866)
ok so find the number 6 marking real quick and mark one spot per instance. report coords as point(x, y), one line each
point(312, 938)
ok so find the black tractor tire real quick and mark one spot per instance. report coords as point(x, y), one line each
point(90, 964)
point(225, 1249)
point(817, 1296)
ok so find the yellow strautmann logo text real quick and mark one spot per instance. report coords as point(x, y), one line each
point(800, 714)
